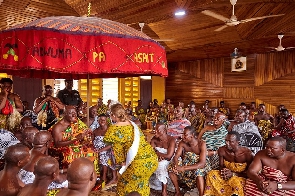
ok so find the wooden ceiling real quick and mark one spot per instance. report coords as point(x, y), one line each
point(191, 36)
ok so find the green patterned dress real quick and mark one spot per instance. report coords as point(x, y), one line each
point(145, 163)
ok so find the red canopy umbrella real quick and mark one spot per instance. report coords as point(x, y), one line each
point(79, 47)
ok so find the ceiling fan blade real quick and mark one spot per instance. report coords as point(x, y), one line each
point(215, 15)
point(221, 28)
point(259, 18)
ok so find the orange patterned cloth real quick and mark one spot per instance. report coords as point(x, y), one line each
point(77, 149)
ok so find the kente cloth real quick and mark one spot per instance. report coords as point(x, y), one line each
point(214, 140)
point(137, 175)
point(77, 149)
point(198, 121)
point(28, 177)
point(102, 109)
point(105, 157)
point(162, 172)
point(268, 173)
point(216, 185)
point(141, 115)
point(94, 124)
point(288, 129)
point(6, 139)
point(189, 177)
point(223, 110)
point(245, 128)
point(176, 127)
point(162, 117)
point(265, 128)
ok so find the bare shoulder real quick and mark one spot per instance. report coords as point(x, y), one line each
point(221, 150)
point(290, 157)
point(171, 138)
point(245, 150)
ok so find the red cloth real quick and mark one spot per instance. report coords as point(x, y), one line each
point(43, 52)
point(271, 174)
point(287, 129)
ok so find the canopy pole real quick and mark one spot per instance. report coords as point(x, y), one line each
point(88, 98)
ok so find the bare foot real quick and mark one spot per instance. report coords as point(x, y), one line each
point(113, 181)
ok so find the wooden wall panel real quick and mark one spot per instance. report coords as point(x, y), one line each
point(269, 79)
point(274, 65)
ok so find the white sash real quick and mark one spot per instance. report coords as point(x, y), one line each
point(133, 149)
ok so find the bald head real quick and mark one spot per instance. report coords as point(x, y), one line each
point(25, 122)
point(81, 170)
point(28, 135)
point(41, 138)
point(16, 153)
point(46, 166)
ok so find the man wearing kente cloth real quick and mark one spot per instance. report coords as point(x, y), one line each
point(286, 129)
point(10, 106)
point(140, 112)
point(233, 162)
point(192, 167)
point(223, 109)
point(197, 119)
point(47, 109)
point(264, 122)
point(272, 171)
point(214, 136)
point(72, 138)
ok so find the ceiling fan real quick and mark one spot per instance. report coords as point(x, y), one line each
point(233, 21)
point(280, 47)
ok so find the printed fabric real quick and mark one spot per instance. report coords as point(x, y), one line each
point(106, 158)
point(216, 185)
point(137, 175)
point(189, 177)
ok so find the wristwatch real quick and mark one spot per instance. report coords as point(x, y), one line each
point(279, 186)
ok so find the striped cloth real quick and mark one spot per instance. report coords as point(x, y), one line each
point(271, 174)
point(214, 140)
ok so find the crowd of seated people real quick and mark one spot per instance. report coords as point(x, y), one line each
point(196, 146)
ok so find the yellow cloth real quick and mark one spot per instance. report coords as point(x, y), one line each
point(215, 185)
point(265, 128)
point(145, 163)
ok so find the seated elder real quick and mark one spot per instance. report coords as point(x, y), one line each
point(191, 168)
point(233, 161)
point(214, 136)
point(46, 170)
point(272, 171)
point(164, 146)
point(16, 157)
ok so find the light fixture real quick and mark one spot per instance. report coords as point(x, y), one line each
point(146, 77)
point(179, 13)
